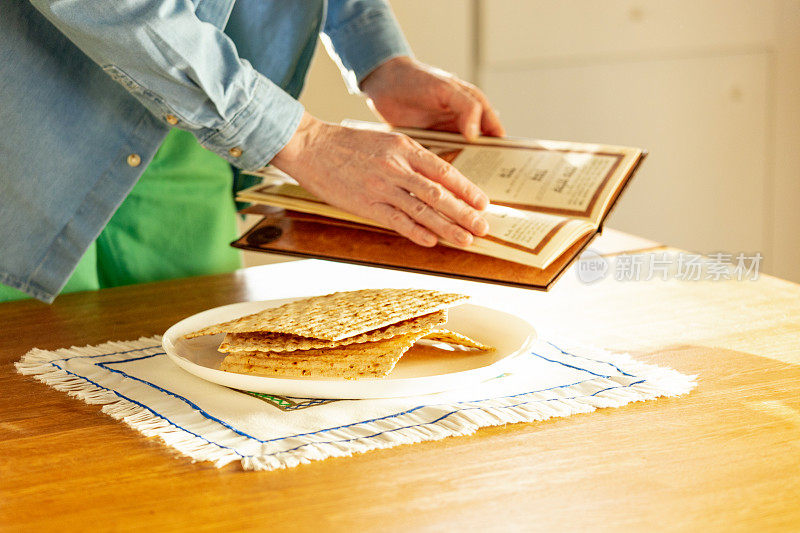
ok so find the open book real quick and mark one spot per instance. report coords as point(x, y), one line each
point(546, 196)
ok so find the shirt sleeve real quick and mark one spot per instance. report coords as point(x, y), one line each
point(360, 35)
point(185, 71)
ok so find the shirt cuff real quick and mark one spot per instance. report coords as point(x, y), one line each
point(365, 43)
point(259, 130)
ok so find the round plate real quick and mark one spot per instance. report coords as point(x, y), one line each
point(422, 370)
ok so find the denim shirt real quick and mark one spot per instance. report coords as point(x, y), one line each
point(89, 89)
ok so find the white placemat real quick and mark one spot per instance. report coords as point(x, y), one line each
point(136, 383)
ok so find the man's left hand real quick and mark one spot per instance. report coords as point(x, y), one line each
point(407, 93)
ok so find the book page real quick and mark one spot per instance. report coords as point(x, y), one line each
point(526, 237)
point(534, 239)
point(577, 180)
point(566, 182)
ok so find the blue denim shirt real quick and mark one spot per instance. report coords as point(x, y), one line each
point(89, 89)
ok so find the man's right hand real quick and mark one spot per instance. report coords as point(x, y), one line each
point(386, 177)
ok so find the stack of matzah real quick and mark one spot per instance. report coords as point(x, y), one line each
point(350, 335)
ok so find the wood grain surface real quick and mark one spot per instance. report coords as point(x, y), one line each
point(724, 458)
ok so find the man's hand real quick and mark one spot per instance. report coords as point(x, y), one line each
point(386, 177)
point(407, 93)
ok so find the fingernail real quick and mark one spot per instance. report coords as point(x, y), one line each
point(480, 226)
point(480, 201)
point(473, 131)
point(463, 238)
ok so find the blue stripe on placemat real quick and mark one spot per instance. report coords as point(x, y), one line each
point(452, 413)
point(618, 369)
point(152, 411)
point(107, 354)
point(261, 441)
point(239, 432)
point(570, 366)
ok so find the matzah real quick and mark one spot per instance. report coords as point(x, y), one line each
point(282, 342)
point(339, 315)
point(451, 337)
point(351, 361)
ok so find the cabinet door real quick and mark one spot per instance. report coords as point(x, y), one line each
point(704, 121)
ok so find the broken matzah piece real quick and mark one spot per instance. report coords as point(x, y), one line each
point(352, 361)
point(451, 337)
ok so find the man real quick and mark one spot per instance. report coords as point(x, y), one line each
point(97, 95)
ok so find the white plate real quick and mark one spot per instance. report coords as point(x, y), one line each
point(416, 372)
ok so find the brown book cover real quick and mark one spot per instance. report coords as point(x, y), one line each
point(311, 236)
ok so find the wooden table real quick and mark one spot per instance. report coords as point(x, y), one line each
point(725, 457)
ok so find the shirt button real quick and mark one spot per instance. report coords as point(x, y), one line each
point(172, 119)
point(134, 160)
point(235, 151)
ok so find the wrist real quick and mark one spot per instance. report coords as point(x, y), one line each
point(384, 74)
point(307, 131)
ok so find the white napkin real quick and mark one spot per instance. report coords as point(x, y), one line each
point(138, 384)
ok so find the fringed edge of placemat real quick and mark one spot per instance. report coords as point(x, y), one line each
point(37, 364)
point(407, 428)
point(656, 382)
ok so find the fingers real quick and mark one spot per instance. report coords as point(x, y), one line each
point(441, 172)
point(395, 181)
point(424, 190)
point(426, 215)
point(456, 210)
point(403, 224)
point(474, 113)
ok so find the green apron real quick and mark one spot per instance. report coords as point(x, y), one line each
point(177, 222)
